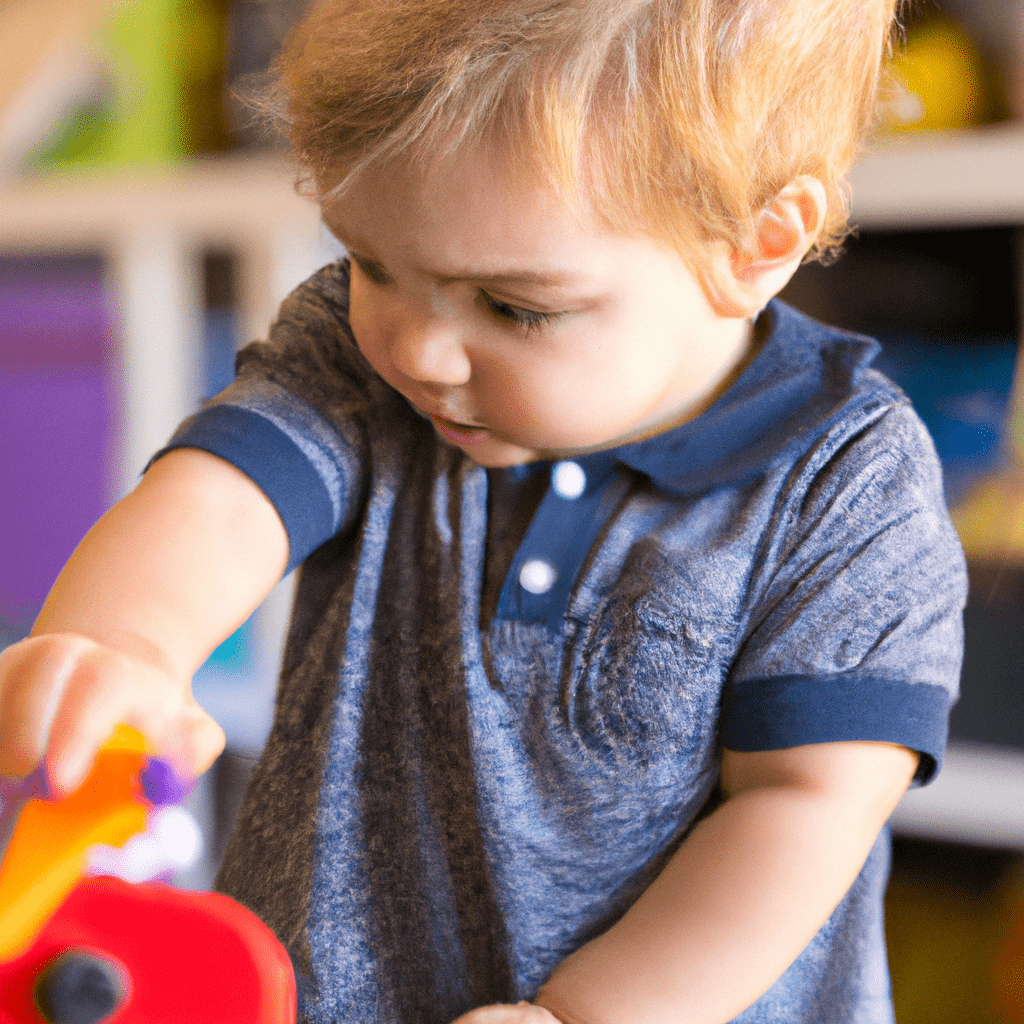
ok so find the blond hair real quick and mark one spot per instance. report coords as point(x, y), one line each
point(677, 118)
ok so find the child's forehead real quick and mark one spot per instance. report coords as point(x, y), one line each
point(468, 217)
point(472, 185)
point(487, 166)
point(485, 190)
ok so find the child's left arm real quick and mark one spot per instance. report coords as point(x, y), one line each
point(744, 894)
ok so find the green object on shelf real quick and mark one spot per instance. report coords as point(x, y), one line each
point(142, 43)
point(148, 49)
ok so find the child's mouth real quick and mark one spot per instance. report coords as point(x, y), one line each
point(458, 433)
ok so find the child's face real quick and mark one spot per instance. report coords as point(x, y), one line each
point(522, 329)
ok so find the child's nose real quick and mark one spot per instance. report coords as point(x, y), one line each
point(429, 352)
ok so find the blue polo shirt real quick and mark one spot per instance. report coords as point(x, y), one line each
point(505, 692)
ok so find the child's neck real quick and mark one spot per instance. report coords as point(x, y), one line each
point(738, 353)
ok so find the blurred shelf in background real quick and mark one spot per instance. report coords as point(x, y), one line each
point(153, 227)
point(966, 178)
point(977, 800)
point(152, 233)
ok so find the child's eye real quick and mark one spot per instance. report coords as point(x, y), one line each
point(373, 271)
point(529, 319)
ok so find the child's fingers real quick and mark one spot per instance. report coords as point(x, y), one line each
point(192, 741)
point(63, 695)
point(33, 674)
point(508, 1013)
point(107, 689)
point(97, 698)
point(95, 695)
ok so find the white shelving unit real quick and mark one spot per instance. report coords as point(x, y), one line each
point(978, 799)
point(154, 224)
point(968, 178)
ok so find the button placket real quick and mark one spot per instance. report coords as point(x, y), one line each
point(559, 537)
point(569, 481)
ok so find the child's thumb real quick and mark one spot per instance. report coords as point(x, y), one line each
point(198, 741)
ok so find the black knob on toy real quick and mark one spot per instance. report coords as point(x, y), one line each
point(80, 988)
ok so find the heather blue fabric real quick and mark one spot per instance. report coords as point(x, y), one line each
point(466, 781)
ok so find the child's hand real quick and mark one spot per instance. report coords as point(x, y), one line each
point(62, 695)
point(170, 571)
point(509, 1013)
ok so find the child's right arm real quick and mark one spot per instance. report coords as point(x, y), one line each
point(165, 576)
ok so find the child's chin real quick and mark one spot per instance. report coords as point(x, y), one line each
point(493, 453)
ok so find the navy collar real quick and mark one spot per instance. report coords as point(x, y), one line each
point(804, 378)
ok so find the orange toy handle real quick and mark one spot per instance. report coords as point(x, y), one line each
point(46, 854)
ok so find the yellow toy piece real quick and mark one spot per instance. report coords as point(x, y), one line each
point(938, 79)
point(46, 855)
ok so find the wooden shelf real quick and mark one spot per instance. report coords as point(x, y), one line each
point(152, 224)
point(229, 199)
point(968, 178)
point(963, 179)
point(978, 799)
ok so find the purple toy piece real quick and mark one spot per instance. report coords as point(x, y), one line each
point(162, 784)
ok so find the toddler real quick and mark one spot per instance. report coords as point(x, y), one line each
point(628, 604)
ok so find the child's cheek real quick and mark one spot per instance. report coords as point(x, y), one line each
point(369, 330)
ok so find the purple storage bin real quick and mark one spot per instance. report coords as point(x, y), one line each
point(58, 401)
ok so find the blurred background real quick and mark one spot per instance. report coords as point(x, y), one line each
point(149, 226)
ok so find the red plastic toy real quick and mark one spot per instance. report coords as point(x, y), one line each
point(179, 957)
point(100, 950)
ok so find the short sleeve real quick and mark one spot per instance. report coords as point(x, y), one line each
point(857, 629)
point(296, 418)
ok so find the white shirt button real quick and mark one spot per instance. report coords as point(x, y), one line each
point(568, 479)
point(537, 576)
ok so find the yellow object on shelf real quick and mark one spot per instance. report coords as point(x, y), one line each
point(47, 852)
point(991, 520)
point(938, 80)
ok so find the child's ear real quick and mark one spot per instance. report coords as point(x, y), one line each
point(741, 283)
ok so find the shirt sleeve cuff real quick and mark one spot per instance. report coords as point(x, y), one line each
point(261, 450)
point(790, 711)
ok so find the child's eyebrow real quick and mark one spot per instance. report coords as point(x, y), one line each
point(556, 278)
point(552, 278)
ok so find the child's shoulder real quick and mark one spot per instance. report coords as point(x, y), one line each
point(806, 393)
point(846, 416)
